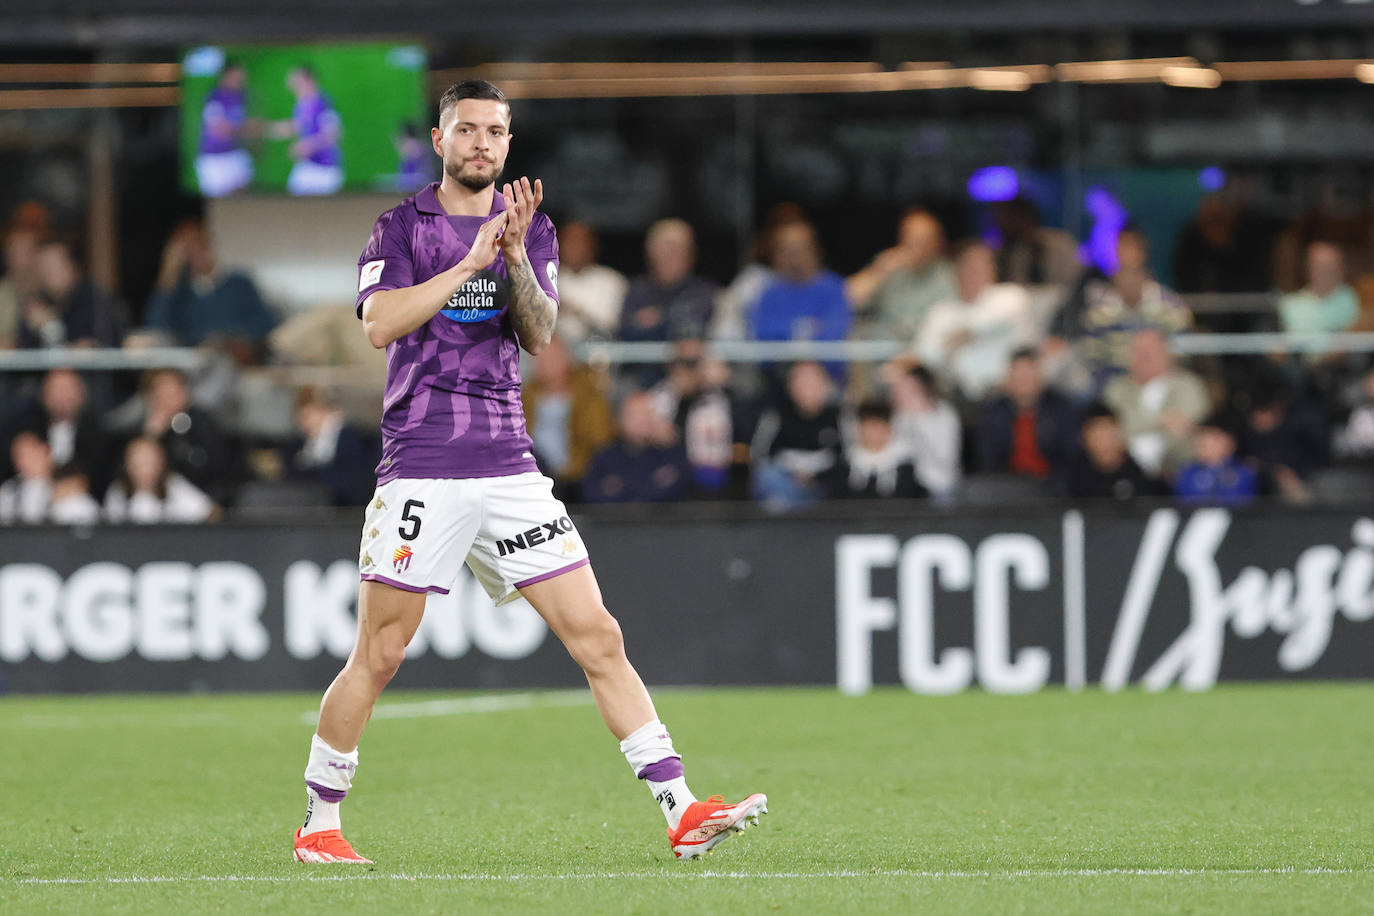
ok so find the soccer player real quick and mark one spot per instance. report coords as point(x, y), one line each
point(453, 282)
point(223, 166)
point(316, 125)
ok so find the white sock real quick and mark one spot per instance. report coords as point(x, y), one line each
point(673, 797)
point(319, 814)
point(650, 753)
point(328, 777)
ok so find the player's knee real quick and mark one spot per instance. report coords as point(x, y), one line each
point(384, 657)
point(598, 644)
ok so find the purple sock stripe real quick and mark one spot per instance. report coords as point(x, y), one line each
point(666, 769)
point(557, 572)
point(333, 796)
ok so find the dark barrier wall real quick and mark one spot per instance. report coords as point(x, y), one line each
point(939, 603)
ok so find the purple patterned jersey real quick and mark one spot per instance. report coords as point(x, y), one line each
point(221, 105)
point(312, 117)
point(452, 405)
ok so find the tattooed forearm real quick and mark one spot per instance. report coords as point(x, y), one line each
point(532, 312)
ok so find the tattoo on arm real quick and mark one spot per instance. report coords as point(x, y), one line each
point(532, 312)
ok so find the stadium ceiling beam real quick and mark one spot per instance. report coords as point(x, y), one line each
point(95, 23)
point(145, 85)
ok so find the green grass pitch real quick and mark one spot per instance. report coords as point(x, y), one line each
point(1247, 799)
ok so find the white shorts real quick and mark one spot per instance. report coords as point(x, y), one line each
point(220, 174)
point(511, 531)
point(312, 178)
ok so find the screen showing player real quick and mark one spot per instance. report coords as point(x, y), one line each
point(301, 119)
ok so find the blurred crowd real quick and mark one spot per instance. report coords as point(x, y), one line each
point(1027, 369)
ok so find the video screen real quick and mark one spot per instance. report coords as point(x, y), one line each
point(304, 119)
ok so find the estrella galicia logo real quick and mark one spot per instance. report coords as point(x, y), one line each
point(481, 298)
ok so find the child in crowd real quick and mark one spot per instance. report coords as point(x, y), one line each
point(877, 466)
point(147, 491)
point(72, 503)
point(1215, 476)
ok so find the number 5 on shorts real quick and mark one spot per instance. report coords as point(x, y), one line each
point(414, 532)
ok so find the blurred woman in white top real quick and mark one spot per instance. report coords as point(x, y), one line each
point(147, 492)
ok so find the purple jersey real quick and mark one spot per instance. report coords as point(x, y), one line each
point(452, 405)
point(222, 105)
point(312, 117)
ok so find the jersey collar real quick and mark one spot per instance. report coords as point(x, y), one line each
point(427, 201)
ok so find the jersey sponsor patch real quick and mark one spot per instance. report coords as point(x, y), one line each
point(552, 270)
point(370, 275)
point(481, 298)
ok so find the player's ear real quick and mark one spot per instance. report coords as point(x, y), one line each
point(435, 135)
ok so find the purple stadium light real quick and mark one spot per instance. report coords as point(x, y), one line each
point(1212, 178)
point(996, 182)
point(1109, 218)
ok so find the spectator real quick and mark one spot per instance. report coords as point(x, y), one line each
point(147, 491)
point(1327, 303)
point(196, 303)
point(876, 466)
point(1339, 216)
point(590, 294)
point(1102, 314)
point(1286, 438)
point(643, 465)
point(567, 414)
point(970, 338)
point(736, 302)
point(695, 400)
point(670, 302)
point(24, 498)
point(928, 428)
point(1157, 404)
point(63, 418)
point(68, 308)
point(804, 301)
point(20, 282)
point(330, 451)
point(904, 281)
point(1216, 254)
point(1105, 469)
point(72, 503)
point(193, 444)
point(1356, 439)
point(1215, 476)
point(796, 448)
point(1030, 430)
point(1032, 254)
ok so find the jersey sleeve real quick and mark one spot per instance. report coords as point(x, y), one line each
point(542, 248)
point(386, 261)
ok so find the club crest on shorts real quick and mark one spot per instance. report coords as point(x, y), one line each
point(401, 558)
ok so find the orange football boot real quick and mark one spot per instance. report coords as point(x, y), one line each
point(706, 823)
point(326, 846)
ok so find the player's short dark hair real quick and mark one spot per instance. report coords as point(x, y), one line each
point(232, 63)
point(874, 409)
point(471, 89)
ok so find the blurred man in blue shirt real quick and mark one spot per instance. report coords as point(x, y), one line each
point(196, 303)
point(806, 301)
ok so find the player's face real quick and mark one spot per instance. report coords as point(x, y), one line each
point(473, 141)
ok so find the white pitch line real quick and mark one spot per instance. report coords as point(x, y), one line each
point(458, 706)
point(691, 874)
